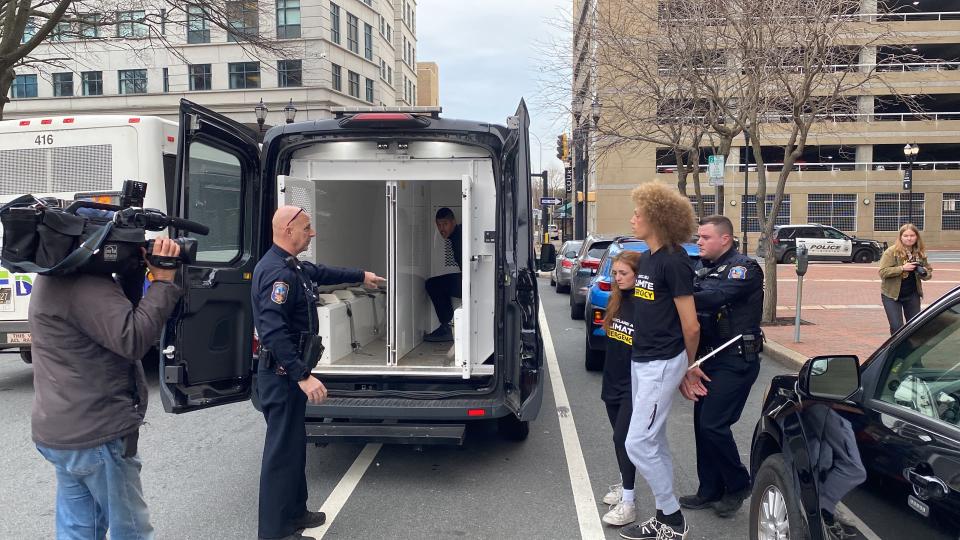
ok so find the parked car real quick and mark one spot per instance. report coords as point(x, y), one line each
point(598, 295)
point(883, 438)
point(823, 243)
point(584, 268)
point(565, 260)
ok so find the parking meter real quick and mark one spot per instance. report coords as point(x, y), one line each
point(803, 260)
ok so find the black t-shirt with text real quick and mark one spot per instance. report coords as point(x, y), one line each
point(616, 364)
point(662, 276)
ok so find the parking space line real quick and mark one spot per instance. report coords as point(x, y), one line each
point(587, 515)
point(865, 531)
point(345, 487)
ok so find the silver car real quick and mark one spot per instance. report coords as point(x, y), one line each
point(566, 257)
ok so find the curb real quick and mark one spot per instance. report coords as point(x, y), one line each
point(783, 354)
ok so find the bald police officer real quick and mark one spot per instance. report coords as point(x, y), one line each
point(728, 293)
point(284, 312)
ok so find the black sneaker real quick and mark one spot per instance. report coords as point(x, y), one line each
point(440, 335)
point(309, 520)
point(653, 529)
point(730, 503)
point(696, 502)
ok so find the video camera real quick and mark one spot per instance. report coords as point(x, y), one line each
point(43, 236)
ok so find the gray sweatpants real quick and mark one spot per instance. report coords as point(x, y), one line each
point(654, 385)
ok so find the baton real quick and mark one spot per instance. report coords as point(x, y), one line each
point(715, 351)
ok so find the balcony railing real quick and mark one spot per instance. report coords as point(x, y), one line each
point(833, 167)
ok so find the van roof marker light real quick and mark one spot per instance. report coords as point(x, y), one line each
point(46, 122)
point(134, 120)
point(24, 122)
point(68, 120)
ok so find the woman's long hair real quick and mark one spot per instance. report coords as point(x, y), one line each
point(902, 251)
point(632, 259)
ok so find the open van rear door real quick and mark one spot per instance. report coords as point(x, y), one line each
point(206, 349)
point(523, 345)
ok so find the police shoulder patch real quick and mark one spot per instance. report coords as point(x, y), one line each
point(738, 272)
point(280, 291)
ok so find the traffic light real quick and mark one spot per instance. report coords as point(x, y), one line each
point(563, 151)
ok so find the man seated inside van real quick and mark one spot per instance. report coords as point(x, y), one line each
point(443, 289)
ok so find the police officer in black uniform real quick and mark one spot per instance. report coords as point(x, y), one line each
point(284, 312)
point(728, 294)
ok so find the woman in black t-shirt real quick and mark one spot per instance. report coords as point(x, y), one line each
point(665, 342)
point(618, 325)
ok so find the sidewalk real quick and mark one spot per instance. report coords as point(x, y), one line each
point(842, 303)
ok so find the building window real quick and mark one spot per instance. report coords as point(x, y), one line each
point(244, 75)
point(166, 80)
point(201, 77)
point(62, 32)
point(367, 41)
point(390, 74)
point(63, 84)
point(353, 33)
point(243, 18)
point(709, 203)
point(29, 31)
point(389, 33)
point(950, 218)
point(370, 90)
point(405, 49)
point(92, 83)
point(354, 84)
point(197, 29)
point(838, 210)
point(383, 26)
point(289, 73)
point(288, 19)
point(130, 24)
point(163, 22)
point(337, 77)
point(133, 81)
point(334, 23)
point(24, 86)
point(891, 210)
point(90, 25)
point(751, 223)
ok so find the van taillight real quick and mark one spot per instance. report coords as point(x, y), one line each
point(476, 412)
point(604, 285)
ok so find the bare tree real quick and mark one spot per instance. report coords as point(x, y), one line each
point(54, 32)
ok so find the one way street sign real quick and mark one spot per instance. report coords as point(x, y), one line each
point(550, 201)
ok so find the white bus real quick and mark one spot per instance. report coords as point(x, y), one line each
point(70, 155)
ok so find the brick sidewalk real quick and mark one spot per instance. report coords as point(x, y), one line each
point(842, 303)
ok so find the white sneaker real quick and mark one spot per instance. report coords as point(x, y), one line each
point(622, 513)
point(614, 496)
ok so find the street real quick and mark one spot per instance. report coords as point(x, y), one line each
point(201, 469)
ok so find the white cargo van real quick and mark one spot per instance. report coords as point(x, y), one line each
point(371, 181)
point(71, 157)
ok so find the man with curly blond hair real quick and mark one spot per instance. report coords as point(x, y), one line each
point(666, 336)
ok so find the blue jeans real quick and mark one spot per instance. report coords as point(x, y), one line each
point(99, 489)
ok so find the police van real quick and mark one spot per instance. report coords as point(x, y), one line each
point(70, 157)
point(823, 243)
point(371, 181)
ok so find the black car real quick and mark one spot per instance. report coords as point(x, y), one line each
point(823, 243)
point(844, 450)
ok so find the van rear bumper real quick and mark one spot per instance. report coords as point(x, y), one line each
point(389, 408)
point(13, 327)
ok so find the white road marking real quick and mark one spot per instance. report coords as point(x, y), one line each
point(348, 483)
point(587, 515)
point(840, 306)
point(865, 531)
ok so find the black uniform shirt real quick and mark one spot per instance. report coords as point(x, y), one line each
point(456, 243)
point(662, 276)
point(616, 365)
point(280, 304)
point(733, 280)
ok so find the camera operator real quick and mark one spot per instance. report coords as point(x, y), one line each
point(91, 393)
point(902, 267)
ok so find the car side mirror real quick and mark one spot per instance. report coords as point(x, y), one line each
point(548, 258)
point(830, 377)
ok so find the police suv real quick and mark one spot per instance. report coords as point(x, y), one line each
point(371, 181)
point(823, 243)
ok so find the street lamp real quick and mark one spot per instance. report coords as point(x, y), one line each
point(595, 112)
point(910, 151)
point(261, 112)
point(290, 111)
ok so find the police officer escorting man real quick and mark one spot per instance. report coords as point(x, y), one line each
point(728, 293)
point(285, 315)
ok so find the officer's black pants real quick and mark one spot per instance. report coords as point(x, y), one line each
point(619, 414)
point(718, 461)
point(442, 290)
point(283, 480)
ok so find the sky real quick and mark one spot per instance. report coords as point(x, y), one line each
point(492, 53)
